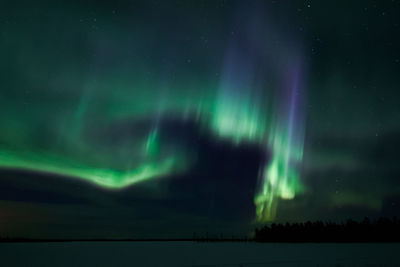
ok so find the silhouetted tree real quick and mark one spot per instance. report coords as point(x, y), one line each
point(381, 230)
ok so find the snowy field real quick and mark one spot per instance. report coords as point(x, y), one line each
point(165, 254)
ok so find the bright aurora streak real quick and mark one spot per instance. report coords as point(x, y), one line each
point(259, 99)
point(242, 117)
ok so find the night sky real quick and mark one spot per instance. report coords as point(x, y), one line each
point(165, 119)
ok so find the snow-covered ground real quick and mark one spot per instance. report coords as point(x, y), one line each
point(165, 254)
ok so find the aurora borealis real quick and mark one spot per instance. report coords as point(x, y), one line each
point(219, 114)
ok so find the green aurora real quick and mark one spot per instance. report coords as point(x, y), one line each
point(87, 87)
point(52, 130)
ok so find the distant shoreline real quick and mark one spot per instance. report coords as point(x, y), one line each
point(382, 230)
point(22, 240)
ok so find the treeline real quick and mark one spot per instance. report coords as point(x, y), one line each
point(381, 230)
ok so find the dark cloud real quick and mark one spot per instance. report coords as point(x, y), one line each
point(218, 189)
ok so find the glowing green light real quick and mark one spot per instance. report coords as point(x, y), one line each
point(108, 178)
point(280, 179)
point(239, 118)
point(152, 144)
